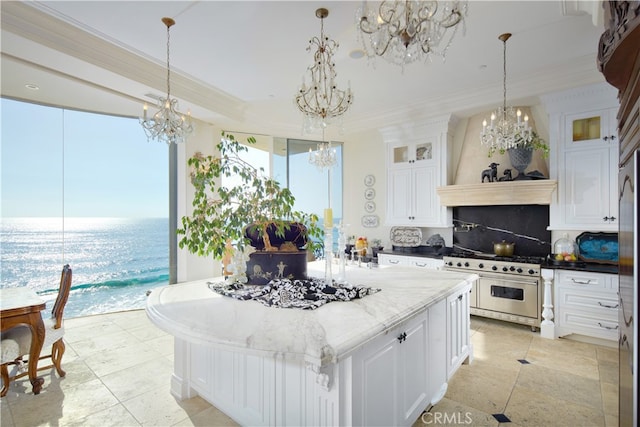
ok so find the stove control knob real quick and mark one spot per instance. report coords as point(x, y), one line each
point(459, 264)
point(520, 270)
point(531, 271)
point(505, 269)
point(494, 268)
point(449, 263)
point(466, 264)
point(481, 265)
point(512, 268)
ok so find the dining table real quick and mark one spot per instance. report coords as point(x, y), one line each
point(22, 306)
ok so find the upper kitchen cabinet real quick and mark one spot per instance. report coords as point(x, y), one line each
point(584, 153)
point(417, 163)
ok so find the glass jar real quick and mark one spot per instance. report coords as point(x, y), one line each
point(565, 249)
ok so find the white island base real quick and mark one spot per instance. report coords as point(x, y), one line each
point(380, 360)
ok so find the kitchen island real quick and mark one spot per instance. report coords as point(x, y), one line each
point(379, 360)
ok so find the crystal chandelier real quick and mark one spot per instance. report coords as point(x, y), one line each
point(167, 124)
point(325, 155)
point(321, 100)
point(404, 31)
point(507, 128)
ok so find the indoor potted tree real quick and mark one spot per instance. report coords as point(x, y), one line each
point(253, 212)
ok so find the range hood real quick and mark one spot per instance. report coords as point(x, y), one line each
point(529, 192)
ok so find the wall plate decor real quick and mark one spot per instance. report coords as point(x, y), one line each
point(369, 180)
point(369, 206)
point(370, 221)
point(369, 193)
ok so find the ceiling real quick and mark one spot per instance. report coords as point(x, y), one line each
point(238, 64)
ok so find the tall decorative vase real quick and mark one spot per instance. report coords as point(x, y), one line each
point(520, 160)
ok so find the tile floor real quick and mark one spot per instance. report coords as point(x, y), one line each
point(119, 367)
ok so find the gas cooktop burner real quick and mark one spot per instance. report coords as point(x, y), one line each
point(521, 259)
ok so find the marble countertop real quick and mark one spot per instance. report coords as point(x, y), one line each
point(193, 312)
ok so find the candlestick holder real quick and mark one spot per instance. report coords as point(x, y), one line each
point(342, 246)
point(328, 255)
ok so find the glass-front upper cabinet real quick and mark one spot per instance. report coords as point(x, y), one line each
point(405, 154)
point(593, 127)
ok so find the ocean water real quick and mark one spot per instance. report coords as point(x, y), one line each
point(115, 261)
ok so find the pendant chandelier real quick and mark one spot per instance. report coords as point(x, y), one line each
point(325, 155)
point(167, 124)
point(321, 100)
point(404, 31)
point(507, 128)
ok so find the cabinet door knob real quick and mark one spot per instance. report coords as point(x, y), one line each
point(613, 218)
point(613, 137)
point(606, 218)
point(402, 337)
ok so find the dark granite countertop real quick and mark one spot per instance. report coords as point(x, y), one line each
point(591, 267)
point(414, 252)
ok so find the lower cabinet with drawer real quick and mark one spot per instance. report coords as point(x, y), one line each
point(586, 304)
point(413, 261)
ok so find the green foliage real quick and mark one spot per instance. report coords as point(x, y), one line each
point(221, 213)
point(536, 143)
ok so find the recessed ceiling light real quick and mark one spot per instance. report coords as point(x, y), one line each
point(356, 54)
point(31, 86)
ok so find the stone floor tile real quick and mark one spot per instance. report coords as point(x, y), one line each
point(530, 408)
point(54, 406)
point(107, 362)
point(159, 408)
point(128, 383)
point(561, 385)
point(578, 364)
point(482, 386)
point(609, 372)
point(209, 417)
point(609, 398)
point(114, 416)
point(448, 412)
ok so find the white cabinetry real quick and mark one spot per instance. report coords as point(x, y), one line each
point(458, 326)
point(408, 365)
point(584, 147)
point(406, 260)
point(393, 369)
point(586, 304)
point(416, 165)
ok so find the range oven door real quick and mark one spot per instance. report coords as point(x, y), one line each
point(512, 295)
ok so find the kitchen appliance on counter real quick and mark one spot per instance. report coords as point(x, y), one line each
point(510, 287)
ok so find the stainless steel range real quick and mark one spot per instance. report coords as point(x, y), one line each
point(510, 288)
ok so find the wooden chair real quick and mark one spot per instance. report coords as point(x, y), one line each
point(15, 342)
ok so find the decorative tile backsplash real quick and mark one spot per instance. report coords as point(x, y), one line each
point(477, 228)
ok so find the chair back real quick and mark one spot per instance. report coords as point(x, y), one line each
point(63, 295)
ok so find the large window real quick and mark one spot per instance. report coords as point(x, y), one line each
point(88, 190)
